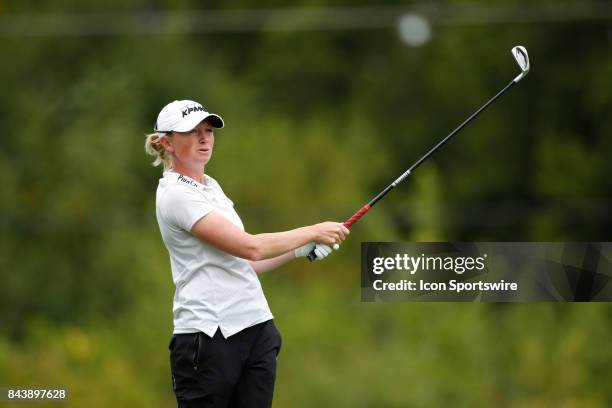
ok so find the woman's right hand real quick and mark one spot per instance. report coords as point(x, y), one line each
point(329, 233)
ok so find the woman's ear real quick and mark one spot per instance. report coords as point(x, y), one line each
point(167, 144)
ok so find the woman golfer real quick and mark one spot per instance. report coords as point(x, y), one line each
point(224, 347)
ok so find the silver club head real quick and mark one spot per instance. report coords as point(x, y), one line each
point(522, 58)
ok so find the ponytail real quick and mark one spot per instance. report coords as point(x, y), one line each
point(153, 147)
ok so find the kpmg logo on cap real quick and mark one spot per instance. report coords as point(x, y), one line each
point(191, 109)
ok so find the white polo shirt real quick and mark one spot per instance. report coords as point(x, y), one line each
point(213, 288)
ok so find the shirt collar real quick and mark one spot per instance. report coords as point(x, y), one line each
point(186, 180)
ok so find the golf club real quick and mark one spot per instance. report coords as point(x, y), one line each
point(522, 58)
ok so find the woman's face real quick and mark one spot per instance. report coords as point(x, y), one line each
point(192, 149)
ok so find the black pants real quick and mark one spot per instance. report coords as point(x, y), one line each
point(216, 372)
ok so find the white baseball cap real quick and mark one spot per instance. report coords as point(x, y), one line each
point(182, 116)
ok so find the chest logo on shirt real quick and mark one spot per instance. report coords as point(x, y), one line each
point(186, 181)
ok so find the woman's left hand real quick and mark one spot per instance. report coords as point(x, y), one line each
point(320, 250)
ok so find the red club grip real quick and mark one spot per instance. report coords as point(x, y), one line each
point(348, 223)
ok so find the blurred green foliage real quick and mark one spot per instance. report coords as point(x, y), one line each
point(317, 123)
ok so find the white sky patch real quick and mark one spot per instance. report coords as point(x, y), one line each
point(414, 30)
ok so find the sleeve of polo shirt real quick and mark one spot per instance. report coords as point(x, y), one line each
point(183, 207)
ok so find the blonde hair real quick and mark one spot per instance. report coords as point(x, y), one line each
point(153, 147)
